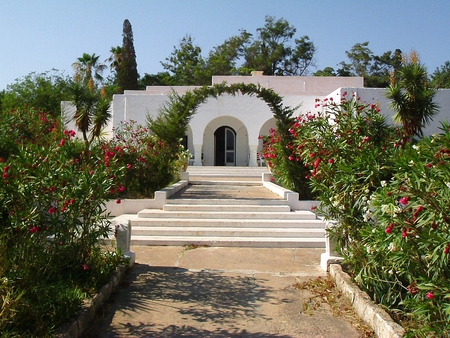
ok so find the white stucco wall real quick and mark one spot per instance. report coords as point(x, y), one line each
point(378, 96)
point(249, 116)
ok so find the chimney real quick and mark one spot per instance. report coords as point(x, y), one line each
point(257, 73)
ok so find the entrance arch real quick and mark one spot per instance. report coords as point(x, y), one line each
point(215, 142)
point(225, 146)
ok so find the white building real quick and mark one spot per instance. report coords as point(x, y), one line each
point(226, 130)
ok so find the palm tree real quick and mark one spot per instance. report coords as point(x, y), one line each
point(411, 96)
point(85, 66)
point(116, 58)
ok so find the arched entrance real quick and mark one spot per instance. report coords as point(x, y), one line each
point(225, 146)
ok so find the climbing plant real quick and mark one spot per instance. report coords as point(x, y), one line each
point(170, 125)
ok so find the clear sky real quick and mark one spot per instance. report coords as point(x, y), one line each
point(39, 35)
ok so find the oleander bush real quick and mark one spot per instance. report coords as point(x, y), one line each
point(151, 164)
point(388, 196)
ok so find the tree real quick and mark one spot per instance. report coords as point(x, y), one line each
point(43, 91)
point(160, 79)
point(327, 71)
point(88, 69)
point(411, 96)
point(441, 76)
point(125, 63)
point(223, 59)
point(376, 70)
point(186, 65)
point(273, 53)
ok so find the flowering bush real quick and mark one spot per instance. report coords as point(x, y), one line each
point(410, 238)
point(348, 150)
point(389, 197)
point(151, 164)
point(52, 196)
point(287, 169)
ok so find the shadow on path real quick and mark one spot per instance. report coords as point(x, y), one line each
point(176, 302)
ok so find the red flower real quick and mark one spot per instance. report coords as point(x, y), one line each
point(35, 229)
point(413, 289)
point(121, 188)
point(404, 200)
point(85, 267)
point(119, 201)
point(61, 143)
point(430, 295)
point(52, 210)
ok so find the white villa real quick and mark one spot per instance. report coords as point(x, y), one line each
point(226, 130)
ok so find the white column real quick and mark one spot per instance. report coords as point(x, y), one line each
point(253, 156)
point(198, 155)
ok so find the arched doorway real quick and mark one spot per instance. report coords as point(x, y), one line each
point(225, 146)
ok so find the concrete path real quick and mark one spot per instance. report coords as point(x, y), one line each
point(219, 292)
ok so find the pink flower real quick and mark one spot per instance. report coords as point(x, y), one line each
point(404, 200)
point(430, 295)
point(61, 143)
point(121, 188)
point(85, 267)
point(331, 161)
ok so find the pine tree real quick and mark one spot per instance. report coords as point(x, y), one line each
point(127, 74)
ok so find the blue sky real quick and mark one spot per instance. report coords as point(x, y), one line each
point(41, 35)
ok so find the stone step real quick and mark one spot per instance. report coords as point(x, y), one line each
point(217, 222)
point(249, 202)
point(255, 242)
point(157, 213)
point(219, 208)
point(229, 232)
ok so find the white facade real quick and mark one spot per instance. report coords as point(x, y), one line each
point(226, 130)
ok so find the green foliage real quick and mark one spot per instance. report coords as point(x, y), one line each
point(287, 169)
point(52, 196)
point(151, 164)
point(376, 70)
point(92, 110)
point(388, 198)
point(274, 54)
point(125, 61)
point(346, 146)
point(43, 91)
point(186, 65)
point(441, 76)
point(411, 97)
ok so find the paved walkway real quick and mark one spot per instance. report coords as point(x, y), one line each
point(219, 292)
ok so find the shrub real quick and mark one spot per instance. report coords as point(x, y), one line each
point(411, 235)
point(151, 163)
point(389, 197)
point(348, 150)
point(52, 196)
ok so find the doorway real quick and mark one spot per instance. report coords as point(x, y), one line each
point(225, 147)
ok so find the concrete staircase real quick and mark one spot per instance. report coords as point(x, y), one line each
point(227, 207)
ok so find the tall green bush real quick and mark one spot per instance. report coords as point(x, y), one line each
point(389, 197)
point(52, 196)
